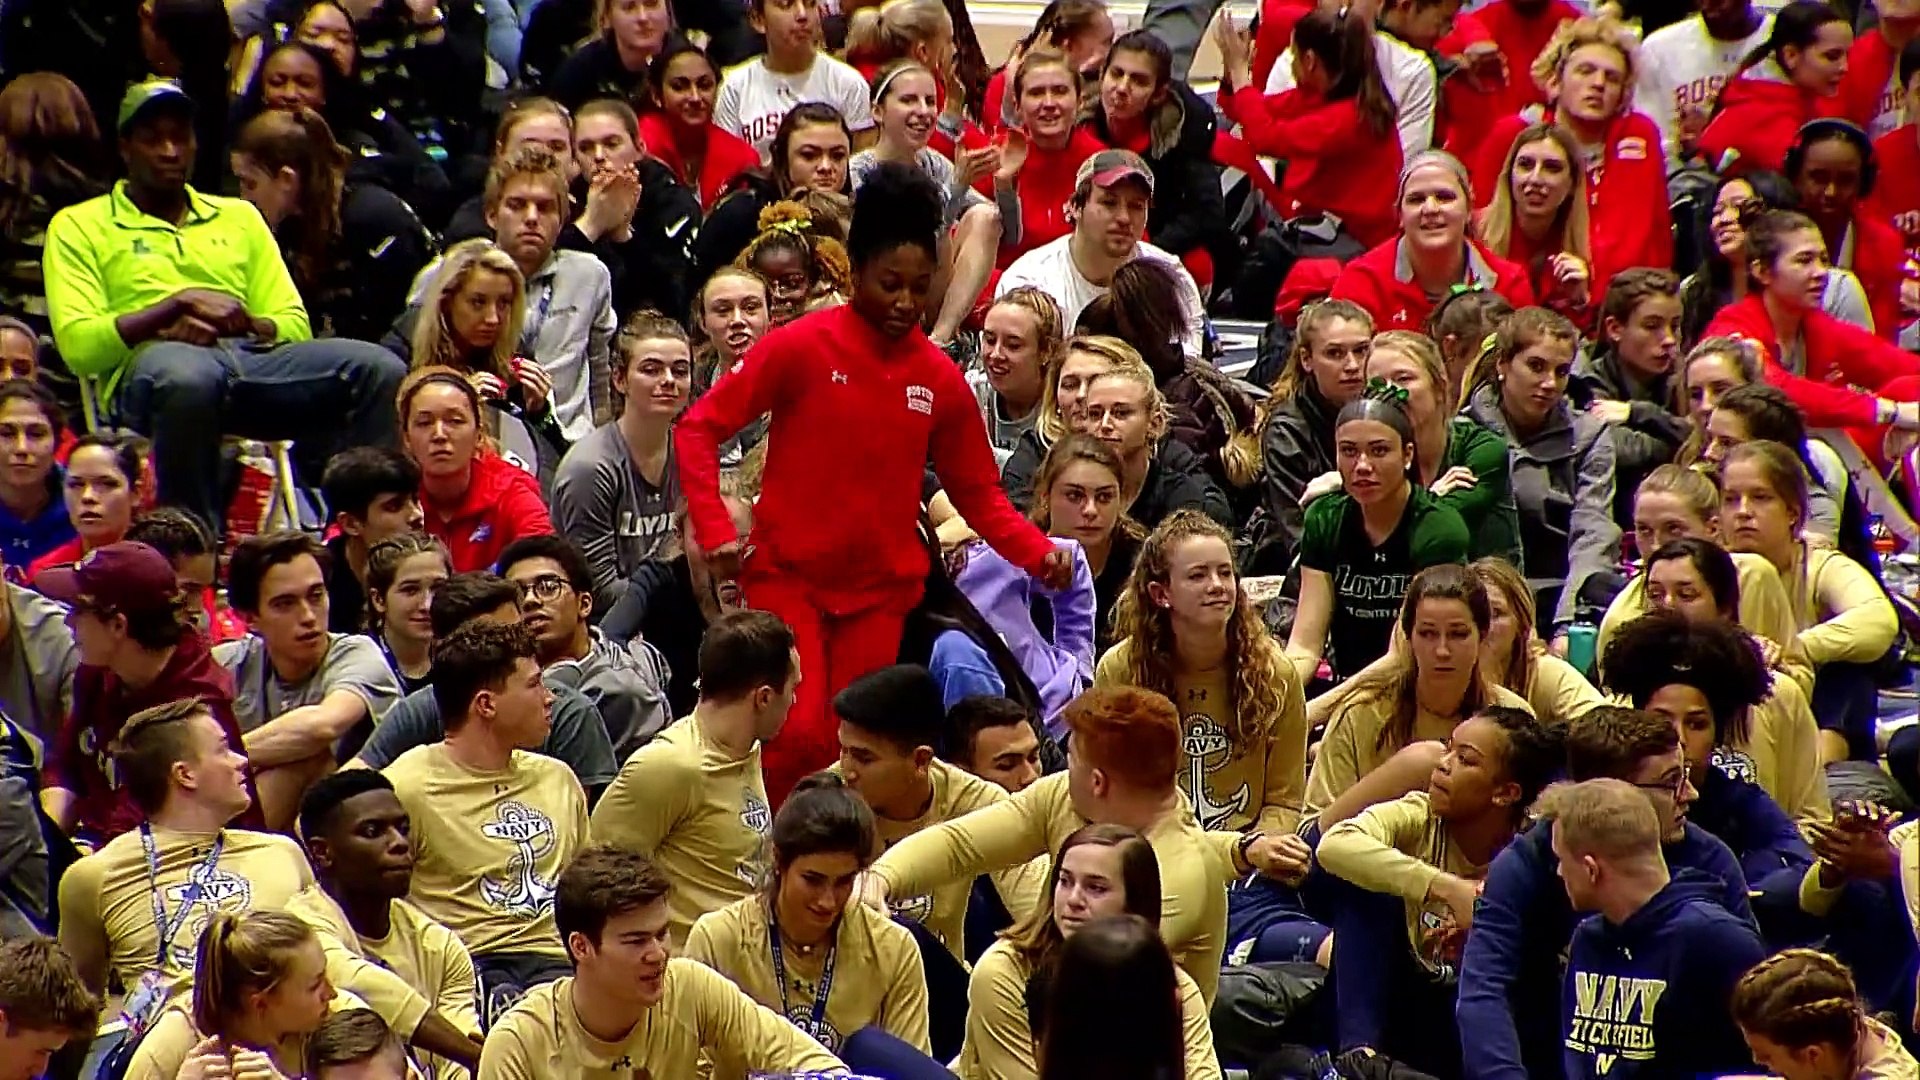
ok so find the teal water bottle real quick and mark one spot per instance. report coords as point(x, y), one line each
point(1581, 638)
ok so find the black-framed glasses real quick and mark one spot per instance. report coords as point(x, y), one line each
point(543, 588)
point(1670, 786)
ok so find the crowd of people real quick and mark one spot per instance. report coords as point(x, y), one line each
point(779, 582)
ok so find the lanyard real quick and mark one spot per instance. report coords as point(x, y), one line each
point(531, 334)
point(195, 880)
point(819, 1017)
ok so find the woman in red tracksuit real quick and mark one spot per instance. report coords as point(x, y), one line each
point(1832, 169)
point(1586, 70)
point(1046, 92)
point(679, 129)
point(1839, 375)
point(1399, 282)
point(1335, 129)
point(1788, 80)
point(860, 402)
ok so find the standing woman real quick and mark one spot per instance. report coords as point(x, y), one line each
point(1562, 466)
point(1185, 629)
point(1076, 495)
point(1361, 546)
point(1021, 343)
point(614, 63)
point(802, 947)
point(1538, 219)
point(1787, 80)
point(1434, 202)
point(402, 572)
point(1047, 98)
point(833, 383)
point(1099, 871)
point(1846, 623)
point(476, 501)
point(50, 159)
point(1326, 369)
point(679, 129)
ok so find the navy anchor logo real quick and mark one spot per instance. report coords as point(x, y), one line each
point(1203, 740)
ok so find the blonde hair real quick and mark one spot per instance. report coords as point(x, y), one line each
point(1038, 59)
point(1800, 998)
point(1049, 425)
point(1746, 362)
point(433, 342)
point(1068, 450)
point(1604, 817)
point(1423, 351)
point(526, 109)
point(1571, 222)
point(1257, 687)
point(1136, 371)
point(1604, 27)
point(1520, 331)
point(706, 354)
point(1690, 485)
point(1049, 329)
point(1314, 318)
point(242, 955)
point(1498, 574)
point(876, 35)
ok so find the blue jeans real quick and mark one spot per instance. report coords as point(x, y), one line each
point(325, 395)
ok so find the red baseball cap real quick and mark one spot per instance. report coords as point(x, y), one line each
point(128, 577)
point(1109, 167)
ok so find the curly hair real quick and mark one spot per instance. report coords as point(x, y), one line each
point(1604, 28)
point(1258, 688)
point(1663, 648)
point(1799, 998)
point(791, 225)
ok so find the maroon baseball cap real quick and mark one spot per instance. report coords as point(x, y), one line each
point(1109, 167)
point(127, 577)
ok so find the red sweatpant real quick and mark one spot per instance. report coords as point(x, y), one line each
point(834, 651)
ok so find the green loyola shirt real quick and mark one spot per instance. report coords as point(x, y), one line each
point(1370, 581)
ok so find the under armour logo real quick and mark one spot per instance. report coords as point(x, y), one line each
point(1379, 556)
point(624, 1061)
point(840, 377)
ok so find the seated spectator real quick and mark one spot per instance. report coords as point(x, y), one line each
point(1076, 496)
point(967, 654)
point(615, 491)
point(1787, 80)
point(105, 482)
point(1627, 377)
point(1712, 369)
point(33, 511)
point(822, 833)
point(190, 547)
point(1511, 653)
point(1326, 367)
point(1361, 545)
point(304, 698)
point(52, 147)
point(1396, 282)
point(1020, 347)
point(166, 345)
point(374, 493)
point(1723, 279)
point(578, 737)
point(492, 887)
point(995, 740)
point(1047, 99)
point(188, 784)
point(613, 63)
point(730, 312)
point(1684, 65)
point(1538, 218)
point(1099, 871)
point(379, 947)
point(1058, 661)
point(476, 502)
point(803, 263)
point(679, 131)
point(811, 151)
point(1185, 629)
point(755, 97)
point(38, 658)
point(1563, 478)
point(134, 628)
point(45, 1004)
point(1405, 33)
point(319, 76)
point(626, 683)
point(1081, 31)
point(1061, 407)
point(1160, 475)
point(1896, 190)
point(356, 1044)
point(1459, 324)
point(1113, 192)
point(1832, 168)
point(1142, 1026)
point(1757, 412)
point(353, 248)
point(646, 243)
point(1418, 862)
point(1799, 1011)
point(19, 349)
point(402, 573)
point(927, 33)
point(1512, 988)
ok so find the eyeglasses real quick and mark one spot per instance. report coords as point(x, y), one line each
point(543, 588)
point(1674, 786)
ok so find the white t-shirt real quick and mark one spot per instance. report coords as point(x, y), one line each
point(1682, 66)
point(1411, 83)
point(1050, 269)
point(754, 100)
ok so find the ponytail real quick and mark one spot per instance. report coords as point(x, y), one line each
point(300, 140)
point(242, 955)
point(1343, 43)
point(1794, 26)
point(887, 32)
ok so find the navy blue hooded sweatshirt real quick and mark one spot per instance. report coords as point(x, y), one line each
point(1510, 975)
point(1773, 855)
point(1648, 997)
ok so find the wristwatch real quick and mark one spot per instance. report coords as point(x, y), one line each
point(1246, 843)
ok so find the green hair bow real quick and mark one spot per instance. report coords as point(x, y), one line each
point(1379, 389)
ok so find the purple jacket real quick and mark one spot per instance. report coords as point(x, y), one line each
point(1003, 593)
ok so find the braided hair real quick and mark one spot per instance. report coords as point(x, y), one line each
point(1800, 998)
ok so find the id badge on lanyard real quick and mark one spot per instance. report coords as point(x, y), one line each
point(148, 996)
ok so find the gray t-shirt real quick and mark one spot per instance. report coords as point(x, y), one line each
point(353, 663)
point(37, 661)
point(578, 738)
point(627, 684)
point(1002, 433)
point(605, 506)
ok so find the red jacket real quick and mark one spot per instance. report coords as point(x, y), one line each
point(502, 503)
point(1866, 90)
point(856, 418)
point(1045, 186)
point(1628, 223)
point(1372, 282)
point(80, 761)
point(994, 104)
point(726, 156)
point(1274, 34)
point(1896, 184)
point(1521, 252)
point(1880, 262)
point(1356, 181)
point(1522, 36)
point(1846, 366)
point(1758, 117)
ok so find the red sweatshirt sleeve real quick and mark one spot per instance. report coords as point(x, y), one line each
point(963, 460)
point(522, 510)
point(735, 398)
point(1865, 359)
point(1824, 404)
point(1286, 124)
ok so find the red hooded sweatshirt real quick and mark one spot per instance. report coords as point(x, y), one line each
point(1879, 259)
point(856, 417)
point(1760, 114)
point(1846, 367)
point(1628, 223)
point(1355, 181)
point(1896, 184)
point(1468, 107)
point(725, 156)
point(501, 504)
point(1380, 282)
point(80, 761)
point(1866, 90)
point(1046, 186)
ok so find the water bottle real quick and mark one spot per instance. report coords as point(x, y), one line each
point(1581, 638)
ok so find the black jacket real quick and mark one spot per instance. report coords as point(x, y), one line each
point(732, 225)
point(595, 71)
point(1189, 210)
point(1176, 478)
point(1296, 446)
point(363, 288)
point(1652, 434)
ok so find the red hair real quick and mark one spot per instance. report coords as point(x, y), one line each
point(1132, 735)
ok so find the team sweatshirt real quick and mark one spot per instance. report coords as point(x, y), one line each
point(856, 416)
point(1868, 96)
point(723, 156)
point(1838, 357)
point(1381, 281)
point(502, 503)
point(1758, 118)
point(1510, 977)
point(1647, 997)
